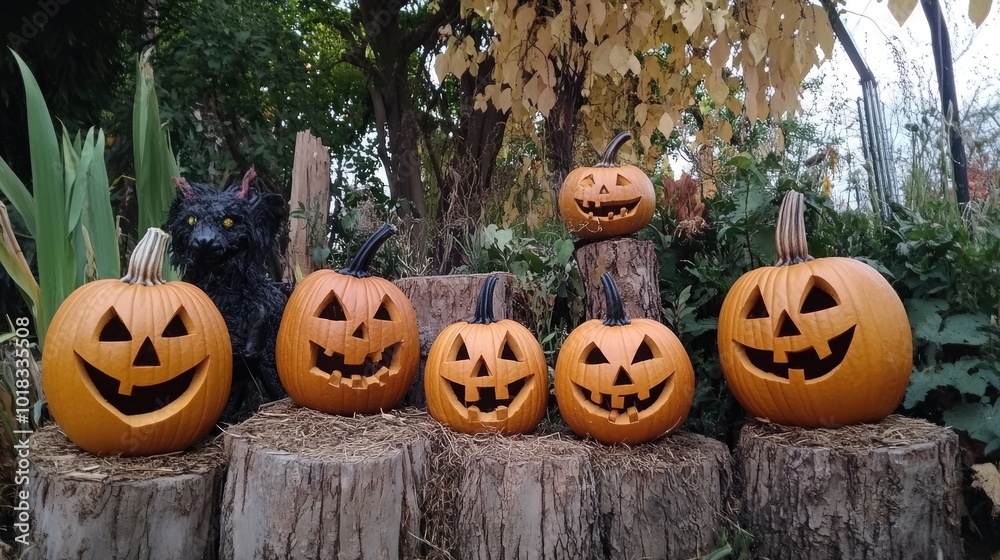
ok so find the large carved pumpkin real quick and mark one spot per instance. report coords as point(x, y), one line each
point(607, 200)
point(348, 340)
point(621, 380)
point(814, 342)
point(137, 366)
point(487, 375)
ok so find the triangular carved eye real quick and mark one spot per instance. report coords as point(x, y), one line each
point(643, 352)
point(176, 326)
point(587, 181)
point(623, 181)
point(462, 353)
point(507, 352)
point(818, 299)
point(333, 310)
point(595, 356)
point(115, 330)
point(757, 308)
point(385, 311)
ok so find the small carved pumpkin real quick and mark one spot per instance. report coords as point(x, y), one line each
point(137, 366)
point(487, 375)
point(607, 200)
point(348, 340)
point(814, 342)
point(622, 381)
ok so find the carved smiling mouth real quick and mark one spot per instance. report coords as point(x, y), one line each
point(488, 401)
point(358, 376)
point(807, 361)
point(608, 210)
point(143, 398)
point(631, 405)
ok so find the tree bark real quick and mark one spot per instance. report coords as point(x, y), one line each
point(889, 490)
point(636, 270)
point(304, 485)
point(142, 507)
point(311, 190)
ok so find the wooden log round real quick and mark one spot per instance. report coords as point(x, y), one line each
point(889, 490)
point(635, 268)
point(442, 300)
point(87, 507)
point(303, 484)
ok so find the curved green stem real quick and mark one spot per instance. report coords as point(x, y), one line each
point(363, 260)
point(611, 152)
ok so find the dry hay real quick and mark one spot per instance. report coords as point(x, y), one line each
point(894, 432)
point(53, 453)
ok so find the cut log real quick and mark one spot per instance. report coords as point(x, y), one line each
point(635, 268)
point(888, 490)
point(552, 496)
point(662, 499)
point(163, 507)
point(311, 191)
point(303, 484)
point(442, 300)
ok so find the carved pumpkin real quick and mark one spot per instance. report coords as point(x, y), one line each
point(137, 366)
point(607, 200)
point(622, 381)
point(348, 340)
point(487, 375)
point(814, 342)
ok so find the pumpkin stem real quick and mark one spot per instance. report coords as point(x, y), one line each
point(790, 233)
point(484, 305)
point(615, 312)
point(611, 152)
point(145, 266)
point(363, 259)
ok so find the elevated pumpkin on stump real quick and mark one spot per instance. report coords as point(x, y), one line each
point(814, 342)
point(137, 366)
point(486, 374)
point(621, 380)
point(607, 200)
point(348, 340)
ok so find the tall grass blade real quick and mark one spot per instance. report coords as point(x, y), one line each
point(14, 263)
point(18, 195)
point(78, 187)
point(98, 218)
point(56, 264)
point(154, 162)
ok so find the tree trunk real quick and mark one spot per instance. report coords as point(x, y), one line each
point(442, 300)
point(311, 190)
point(303, 484)
point(635, 268)
point(86, 507)
point(889, 490)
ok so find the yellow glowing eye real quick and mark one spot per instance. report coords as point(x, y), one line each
point(192, 220)
point(227, 223)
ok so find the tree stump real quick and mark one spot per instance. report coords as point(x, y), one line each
point(552, 496)
point(636, 270)
point(303, 484)
point(888, 490)
point(662, 499)
point(442, 300)
point(311, 191)
point(88, 507)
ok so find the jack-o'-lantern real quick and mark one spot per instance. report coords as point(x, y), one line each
point(348, 340)
point(607, 200)
point(487, 375)
point(814, 342)
point(621, 380)
point(137, 366)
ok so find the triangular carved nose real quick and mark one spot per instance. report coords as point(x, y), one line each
point(786, 327)
point(623, 378)
point(361, 332)
point(146, 356)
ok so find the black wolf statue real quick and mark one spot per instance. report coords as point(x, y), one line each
point(222, 242)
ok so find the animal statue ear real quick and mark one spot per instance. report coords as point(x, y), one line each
point(245, 188)
point(182, 185)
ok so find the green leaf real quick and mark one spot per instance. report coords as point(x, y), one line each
point(502, 238)
point(969, 376)
point(17, 268)
point(99, 218)
point(925, 318)
point(563, 251)
point(741, 161)
point(964, 328)
point(979, 420)
point(18, 195)
point(56, 265)
point(78, 189)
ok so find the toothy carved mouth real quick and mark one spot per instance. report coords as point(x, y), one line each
point(488, 401)
point(608, 210)
point(631, 405)
point(807, 361)
point(143, 399)
point(358, 376)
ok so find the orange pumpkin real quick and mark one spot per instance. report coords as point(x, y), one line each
point(487, 375)
point(607, 200)
point(621, 380)
point(137, 366)
point(814, 342)
point(348, 340)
